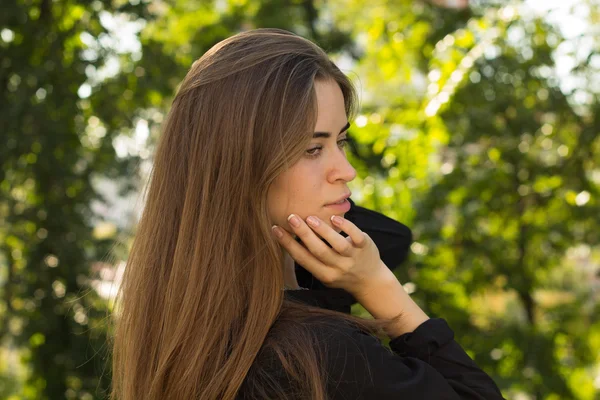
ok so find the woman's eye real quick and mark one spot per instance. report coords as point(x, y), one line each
point(314, 151)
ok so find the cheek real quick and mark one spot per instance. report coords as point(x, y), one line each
point(282, 201)
point(306, 182)
point(275, 199)
point(279, 214)
point(297, 191)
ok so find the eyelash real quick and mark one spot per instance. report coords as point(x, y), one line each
point(315, 155)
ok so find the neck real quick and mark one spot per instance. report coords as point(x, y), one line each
point(289, 272)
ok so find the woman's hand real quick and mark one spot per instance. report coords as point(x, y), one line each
point(352, 263)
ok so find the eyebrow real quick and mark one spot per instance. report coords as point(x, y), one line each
point(327, 134)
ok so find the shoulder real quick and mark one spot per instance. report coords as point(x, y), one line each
point(338, 343)
point(352, 359)
point(344, 336)
point(424, 364)
point(333, 341)
point(359, 366)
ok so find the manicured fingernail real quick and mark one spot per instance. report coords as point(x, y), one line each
point(312, 221)
point(336, 220)
point(277, 231)
point(294, 221)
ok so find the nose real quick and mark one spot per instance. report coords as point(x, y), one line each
point(341, 169)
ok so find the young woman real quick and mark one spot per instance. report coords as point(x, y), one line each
point(254, 140)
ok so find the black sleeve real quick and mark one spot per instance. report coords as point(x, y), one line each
point(424, 364)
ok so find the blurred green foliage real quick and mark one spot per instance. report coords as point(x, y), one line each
point(466, 134)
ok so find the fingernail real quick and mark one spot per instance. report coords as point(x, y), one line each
point(336, 220)
point(312, 221)
point(277, 231)
point(294, 221)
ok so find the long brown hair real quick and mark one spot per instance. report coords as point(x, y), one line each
point(201, 300)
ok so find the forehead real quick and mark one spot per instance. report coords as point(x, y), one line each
point(331, 107)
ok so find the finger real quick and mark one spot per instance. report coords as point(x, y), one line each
point(337, 241)
point(313, 243)
point(302, 255)
point(358, 237)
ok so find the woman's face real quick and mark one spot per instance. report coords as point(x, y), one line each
point(320, 177)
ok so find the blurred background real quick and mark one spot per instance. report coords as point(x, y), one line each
point(478, 129)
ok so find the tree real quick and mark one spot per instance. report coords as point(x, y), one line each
point(54, 145)
point(474, 142)
point(465, 134)
point(74, 93)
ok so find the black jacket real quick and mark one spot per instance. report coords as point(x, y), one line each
point(426, 364)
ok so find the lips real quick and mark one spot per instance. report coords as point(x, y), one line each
point(341, 199)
